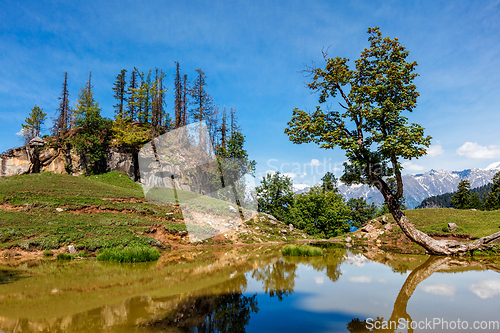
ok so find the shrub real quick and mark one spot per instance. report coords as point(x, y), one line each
point(129, 254)
point(64, 256)
point(301, 250)
point(48, 253)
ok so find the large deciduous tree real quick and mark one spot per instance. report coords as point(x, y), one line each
point(371, 127)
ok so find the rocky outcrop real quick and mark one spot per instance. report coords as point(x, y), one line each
point(63, 160)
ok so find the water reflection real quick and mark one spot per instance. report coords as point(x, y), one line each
point(432, 265)
point(277, 279)
point(245, 289)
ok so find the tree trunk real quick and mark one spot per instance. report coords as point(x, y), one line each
point(433, 246)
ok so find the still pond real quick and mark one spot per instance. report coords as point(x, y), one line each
point(254, 289)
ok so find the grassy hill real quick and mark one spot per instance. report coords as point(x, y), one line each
point(435, 220)
point(49, 211)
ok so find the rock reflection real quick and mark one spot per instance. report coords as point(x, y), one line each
point(419, 274)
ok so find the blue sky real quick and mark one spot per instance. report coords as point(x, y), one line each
point(252, 53)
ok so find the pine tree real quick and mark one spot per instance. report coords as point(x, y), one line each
point(120, 93)
point(203, 105)
point(184, 104)
point(461, 199)
point(178, 96)
point(493, 198)
point(63, 113)
point(329, 183)
point(133, 99)
point(157, 93)
point(33, 126)
point(92, 134)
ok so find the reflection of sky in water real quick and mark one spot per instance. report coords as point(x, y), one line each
point(369, 290)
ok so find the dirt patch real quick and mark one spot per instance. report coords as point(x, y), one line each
point(97, 210)
point(121, 200)
point(9, 207)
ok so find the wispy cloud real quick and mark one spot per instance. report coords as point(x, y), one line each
point(435, 150)
point(412, 166)
point(361, 279)
point(439, 289)
point(486, 289)
point(474, 150)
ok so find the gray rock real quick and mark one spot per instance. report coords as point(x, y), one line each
point(290, 226)
point(388, 226)
point(284, 231)
point(452, 227)
point(71, 249)
point(59, 210)
point(368, 228)
point(348, 239)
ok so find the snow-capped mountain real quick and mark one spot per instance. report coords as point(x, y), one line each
point(420, 186)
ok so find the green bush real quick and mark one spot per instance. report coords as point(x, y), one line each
point(48, 253)
point(129, 254)
point(301, 250)
point(64, 256)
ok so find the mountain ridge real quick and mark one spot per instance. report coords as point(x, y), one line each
point(419, 186)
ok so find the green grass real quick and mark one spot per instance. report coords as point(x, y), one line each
point(435, 220)
point(101, 211)
point(129, 254)
point(301, 250)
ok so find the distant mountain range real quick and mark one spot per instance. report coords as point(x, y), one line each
point(420, 186)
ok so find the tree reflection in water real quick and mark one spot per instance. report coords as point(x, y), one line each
point(419, 274)
point(215, 313)
point(278, 279)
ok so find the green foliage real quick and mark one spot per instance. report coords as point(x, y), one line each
point(129, 134)
point(119, 93)
point(319, 213)
point(329, 183)
point(361, 211)
point(462, 198)
point(492, 201)
point(301, 250)
point(92, 136)
point(275, 195)
point(444, 200)
point(371, 129)
point(48, 253)
point(33, 124)
point(129, 254)
point(64, 256)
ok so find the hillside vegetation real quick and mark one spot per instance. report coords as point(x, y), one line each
point(50, 211)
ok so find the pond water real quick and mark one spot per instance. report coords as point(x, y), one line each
point(254, 289)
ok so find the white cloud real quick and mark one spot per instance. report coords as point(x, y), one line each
point(361, 279)
point(358, 260)
point(486, 289)
point(303, 175)
point(435, 150)
point(319, 280)
point(412, 166)
point(440, 289)
point(290, 175)
point(21, 132)
point(270, 172)
point(473, 150)
point(315, 162)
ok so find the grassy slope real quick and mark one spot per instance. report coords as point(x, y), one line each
point(103, 211)
point(474, 223)
point(29, 218)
